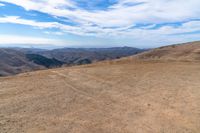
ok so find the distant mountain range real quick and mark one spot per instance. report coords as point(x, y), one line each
point(18, 60)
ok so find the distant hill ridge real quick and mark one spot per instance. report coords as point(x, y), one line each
point(18, 60)
point(178, 52)
point(76, 56)
point(13, 62)
point(41, 60)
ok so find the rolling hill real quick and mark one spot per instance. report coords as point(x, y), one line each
point(17, 60)
point(181, 52)
point(141, 93)
point(13, 62)
point(77, 56)
point(43, 61)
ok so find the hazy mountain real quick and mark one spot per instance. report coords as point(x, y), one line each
point(17, 60)
point(43, 61)
point(72, 56)
point(13, 62)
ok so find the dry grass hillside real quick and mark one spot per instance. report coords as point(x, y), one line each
point(129, 96)
point(181, 52)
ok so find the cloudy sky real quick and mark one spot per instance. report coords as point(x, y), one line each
point(98, 23)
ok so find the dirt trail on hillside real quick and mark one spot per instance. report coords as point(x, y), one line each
point(137, 97)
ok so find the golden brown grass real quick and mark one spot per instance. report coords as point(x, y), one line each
point(120, 97)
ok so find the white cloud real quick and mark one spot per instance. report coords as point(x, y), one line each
point(98, 31)
point(18, 20)
point(53, 33)
point(123, 16)
point(1, 4)
point(151, 11)
point(21, 40)
point(41, 25)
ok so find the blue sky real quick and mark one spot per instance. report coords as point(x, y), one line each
point(98, 23)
